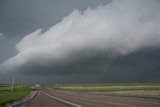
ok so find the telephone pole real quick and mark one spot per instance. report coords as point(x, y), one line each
point(12, 82)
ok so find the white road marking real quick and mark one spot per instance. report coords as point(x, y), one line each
point(61, 100)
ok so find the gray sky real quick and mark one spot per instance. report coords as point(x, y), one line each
point(70, 40)
point(21, 17)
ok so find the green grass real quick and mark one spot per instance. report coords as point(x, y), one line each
point(143, 90)
point(107, 87)
point(138, 92)
point(7, 96)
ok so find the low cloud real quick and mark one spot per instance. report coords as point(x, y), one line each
point(1, 34)
point(116, 29)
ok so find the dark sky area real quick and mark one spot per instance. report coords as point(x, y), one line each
point(79, 41)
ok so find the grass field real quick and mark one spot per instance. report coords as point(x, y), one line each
point(7, 96)
point(141, 90)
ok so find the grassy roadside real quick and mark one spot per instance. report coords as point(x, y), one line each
point(139, 90)
point(7, 96)
point(152, 94)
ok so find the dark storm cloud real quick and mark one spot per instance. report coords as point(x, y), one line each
point(140, 66)
point(20, 17)
point(118, 41)
point(112, 29)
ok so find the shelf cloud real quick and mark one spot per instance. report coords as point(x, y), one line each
point(116, 29)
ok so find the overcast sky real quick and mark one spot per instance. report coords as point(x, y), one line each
point(49, 41)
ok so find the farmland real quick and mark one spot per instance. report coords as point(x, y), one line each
point(8, 96)
point(139, 90)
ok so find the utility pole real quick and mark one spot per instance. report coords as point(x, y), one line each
point(12, 82)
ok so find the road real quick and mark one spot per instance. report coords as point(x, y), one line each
point(57, 98)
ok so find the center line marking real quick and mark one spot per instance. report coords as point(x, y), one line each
point(61, 100)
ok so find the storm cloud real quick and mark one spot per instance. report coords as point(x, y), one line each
point(82, 38)
point(1, 34)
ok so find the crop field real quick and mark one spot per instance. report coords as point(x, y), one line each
point(8, 96)
point(140, 90)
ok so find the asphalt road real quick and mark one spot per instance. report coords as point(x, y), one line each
point(42, 100)
point(54, 98)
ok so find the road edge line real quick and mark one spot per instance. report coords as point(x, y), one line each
point(67, 102)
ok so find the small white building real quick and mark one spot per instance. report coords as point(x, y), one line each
point(37, 85)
